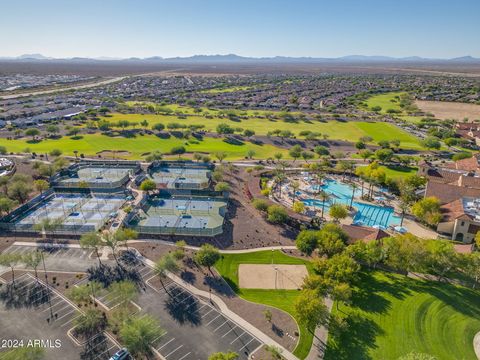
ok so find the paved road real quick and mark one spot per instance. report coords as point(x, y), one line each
point(52, 91)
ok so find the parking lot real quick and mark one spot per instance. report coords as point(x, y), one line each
point(194, 329)
point(59, 258)
point(35, 312)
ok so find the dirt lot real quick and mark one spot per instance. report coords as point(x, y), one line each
point(266, 276)
point(450, 110)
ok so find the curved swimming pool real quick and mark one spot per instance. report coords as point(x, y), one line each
point(367, 214)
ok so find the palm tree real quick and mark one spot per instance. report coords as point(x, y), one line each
point(324, 196)
point(295, 187)
point(354, 187)
point(404, 207)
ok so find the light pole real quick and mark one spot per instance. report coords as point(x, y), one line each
point(46, 282)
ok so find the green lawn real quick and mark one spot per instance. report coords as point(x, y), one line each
point(398, 172)
point(387, 131)
point(392, 315)
point(94, 143)
point(227, 266)
point(385, 101)
point(339, 130)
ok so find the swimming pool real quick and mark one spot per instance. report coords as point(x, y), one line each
point(367, 214)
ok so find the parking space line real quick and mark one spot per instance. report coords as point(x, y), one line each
point(61, 317)
point(218, 327)
point(69, 321)
point(15, 249)
point(25, 285)
point(37, 301)
point(68, 305)
point(170, 353)
point(216, 317)
point(110, 348)
point(166, 344)
point(247, 343)
point(158, 337)
point(48, 307)
point(233, 328)
point(75, 252)
point(208, 312)
point(238, 337)
point(184, 356)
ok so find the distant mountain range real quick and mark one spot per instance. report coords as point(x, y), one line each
point(232, 58)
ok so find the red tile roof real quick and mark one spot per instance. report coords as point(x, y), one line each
point(364, 233)
point(447, 193)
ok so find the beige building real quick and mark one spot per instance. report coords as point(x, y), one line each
point(461, 219)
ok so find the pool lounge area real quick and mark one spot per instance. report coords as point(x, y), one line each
point(367, 214)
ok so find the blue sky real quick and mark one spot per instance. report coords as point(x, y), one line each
point(322, 28)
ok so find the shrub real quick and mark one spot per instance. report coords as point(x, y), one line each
point(277, 214)
point(260, 204)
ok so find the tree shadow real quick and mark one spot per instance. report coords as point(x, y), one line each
point(356, 340)
point(368, 294)
point(219, 286)
point(23, 295)
point(106, 275)
point(94, 346)
point(183, 307)
point(279, 332)
point(188, 276)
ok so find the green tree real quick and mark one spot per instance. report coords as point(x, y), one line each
point(432, 142)
point(341, 292)
point(310, 309)
point(222, 186)
point(295, 152)
point(223, 128)
point(122, 292)
point(93, 241)
point(138, 333)
point(163, 266)
point(338, 212)
point(158, 127)
point(10, 260)
point(207, 256)
point(6, 205)
point(220, 155)
point(32, 259)
point(41, 185)
point(428, 210)
point(307, 241)
point(32, 132)
point(19, 191)
point(277, 214)
point(148, 185)
point(298, 207)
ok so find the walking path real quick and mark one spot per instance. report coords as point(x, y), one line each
point(317, 351)
point(239, 251)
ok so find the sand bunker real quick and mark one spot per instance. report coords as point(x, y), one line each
point(268, 276)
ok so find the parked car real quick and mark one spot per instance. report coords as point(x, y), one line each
point(122, 354)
